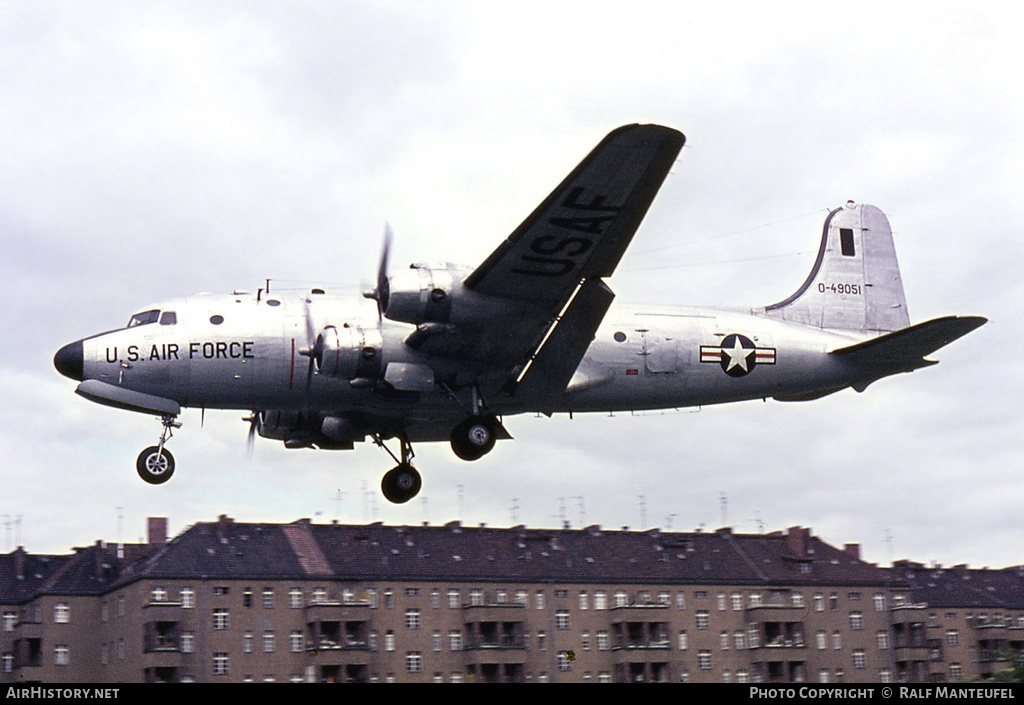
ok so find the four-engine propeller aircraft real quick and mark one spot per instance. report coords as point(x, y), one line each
point(444, 353)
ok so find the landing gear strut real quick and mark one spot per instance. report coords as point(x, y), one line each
point(156, 464)
point(402, 482)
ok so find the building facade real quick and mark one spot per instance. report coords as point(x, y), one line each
point(228, 602)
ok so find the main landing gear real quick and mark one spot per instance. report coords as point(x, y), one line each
point(156, 464)
point(402, 482)
point(474, 437)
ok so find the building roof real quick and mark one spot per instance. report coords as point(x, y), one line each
point(960, 586)
point(226, 549)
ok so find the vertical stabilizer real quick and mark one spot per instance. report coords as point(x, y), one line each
point(855, 283)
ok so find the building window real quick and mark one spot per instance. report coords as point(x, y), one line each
point(737, 601)
point(62, 613)
point(883, 639)
point(683, 641)
point(412, 619)
point(602, 641)
point(295, 598)
point(723, 641)
point(188, 598)
point(539, 599)
point(268, 598)
point(188, 642)
point(562, 619)
point(952, 637)
point(8, 662)
point(246, 596)
point(856, 621)
point(600, 600)
point(583, 599)
point(453, 600)
point(455, 640)
point(879, 602)
point(738, 640)
point(819, 603)
point(414, 662)
point(837, 640)
point(858, 658)
point(721, 602)
point(521, 597)
point(247, 643)
point(797, 599)
point(436, 640)
point(435, 599)
point(476, 597)
point(564, 662)
point(10, 621)
point(704, 660)
point(61, 655)
point(220, 618)
point(956, 672)
point(319, 595)
point(268, 642)
point(158, 594)
point(702, 619)
point(585, 641)
point(221, 664)
point(389, 640)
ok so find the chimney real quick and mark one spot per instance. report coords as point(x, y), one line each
point(796, 538)
point(852, 550)
point(19, 563)
point(223, 522)
point(157, 530)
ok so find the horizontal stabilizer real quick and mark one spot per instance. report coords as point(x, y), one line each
point(905, 349)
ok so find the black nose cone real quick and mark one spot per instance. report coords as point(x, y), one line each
point(68, 360)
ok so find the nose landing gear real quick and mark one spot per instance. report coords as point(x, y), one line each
point(155, 464)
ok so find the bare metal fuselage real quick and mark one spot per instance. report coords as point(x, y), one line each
point(641, 358)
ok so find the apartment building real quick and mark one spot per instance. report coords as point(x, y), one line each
point(227, 601)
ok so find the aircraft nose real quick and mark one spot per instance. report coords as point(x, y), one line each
point(68, 360)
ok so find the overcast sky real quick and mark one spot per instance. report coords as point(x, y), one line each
point(155, 149)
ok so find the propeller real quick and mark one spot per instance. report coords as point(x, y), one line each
point(381, 292)
point(254, 421)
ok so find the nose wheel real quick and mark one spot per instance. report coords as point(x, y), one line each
point(155, 465)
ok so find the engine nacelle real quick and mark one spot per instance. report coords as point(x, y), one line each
point(298, 430)
point(420, 295)
point(349, 352)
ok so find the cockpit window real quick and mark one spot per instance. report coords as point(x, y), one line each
point(141, 319)
point(168, 318)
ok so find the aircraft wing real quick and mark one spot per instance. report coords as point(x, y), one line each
point(583, 228)
point(577, 233)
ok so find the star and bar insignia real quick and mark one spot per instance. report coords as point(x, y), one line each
point(737, 355)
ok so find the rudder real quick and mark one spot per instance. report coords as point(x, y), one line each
point(855, 283)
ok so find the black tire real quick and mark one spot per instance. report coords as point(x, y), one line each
point(473, 438)
point(401, 483)
point(155, 465)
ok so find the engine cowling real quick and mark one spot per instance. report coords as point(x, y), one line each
point(419, 295)
point(349, 352)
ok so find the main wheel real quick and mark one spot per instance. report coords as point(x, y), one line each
point(401, 483)
point(155, 465)
point(473, 438)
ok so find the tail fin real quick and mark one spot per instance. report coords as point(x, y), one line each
point(855, 283)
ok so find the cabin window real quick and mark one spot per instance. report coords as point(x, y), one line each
point(273, 302)
point(141, 319)
point(216, 319)
point(620, 337)
point(168, 318)
point(846, 242)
